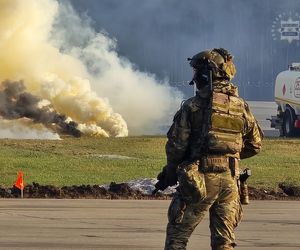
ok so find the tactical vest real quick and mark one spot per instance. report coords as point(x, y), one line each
point(226, 124)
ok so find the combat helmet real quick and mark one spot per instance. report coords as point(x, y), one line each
point(219, 61)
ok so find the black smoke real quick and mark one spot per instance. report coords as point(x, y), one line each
point(16, 103)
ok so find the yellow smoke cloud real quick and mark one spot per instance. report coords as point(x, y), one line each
point(27, 54)
point(62, 59)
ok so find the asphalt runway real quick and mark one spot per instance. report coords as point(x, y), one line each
point(132, 224)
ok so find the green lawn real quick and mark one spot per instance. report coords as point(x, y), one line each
point(75, 161)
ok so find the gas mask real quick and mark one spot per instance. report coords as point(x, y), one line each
point(202, 76)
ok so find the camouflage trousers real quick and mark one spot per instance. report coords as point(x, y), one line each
point(197, 193)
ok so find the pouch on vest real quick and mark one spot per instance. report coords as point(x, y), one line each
point(227, 124)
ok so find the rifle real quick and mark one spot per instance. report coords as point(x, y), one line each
point(207, 112)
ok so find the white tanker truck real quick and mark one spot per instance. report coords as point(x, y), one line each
point(287, 97)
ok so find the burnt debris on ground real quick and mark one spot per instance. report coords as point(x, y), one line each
point(124, 191)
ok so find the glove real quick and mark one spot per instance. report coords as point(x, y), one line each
point(167, 177)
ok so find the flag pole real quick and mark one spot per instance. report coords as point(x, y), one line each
point(22, 193)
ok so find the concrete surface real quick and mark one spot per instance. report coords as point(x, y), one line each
point(131, 224)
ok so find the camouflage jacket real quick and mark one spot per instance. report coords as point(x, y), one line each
point(183, 135)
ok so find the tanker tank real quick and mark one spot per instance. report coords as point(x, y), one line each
point(287, 97)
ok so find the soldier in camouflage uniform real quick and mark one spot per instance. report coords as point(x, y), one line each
point(210, 133)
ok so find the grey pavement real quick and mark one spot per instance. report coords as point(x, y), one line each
point(133, 224)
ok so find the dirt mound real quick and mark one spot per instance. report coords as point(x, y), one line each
point(290, 190)
point(115, 191)
point(265, 194)
point(123, 191)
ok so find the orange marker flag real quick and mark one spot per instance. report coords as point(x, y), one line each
point(20, 182)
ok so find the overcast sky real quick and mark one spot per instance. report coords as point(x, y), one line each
point(158, 35)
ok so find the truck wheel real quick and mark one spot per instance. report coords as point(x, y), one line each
point(288, 123)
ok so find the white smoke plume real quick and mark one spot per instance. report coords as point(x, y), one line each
point(25, 129)
point(60, 58)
